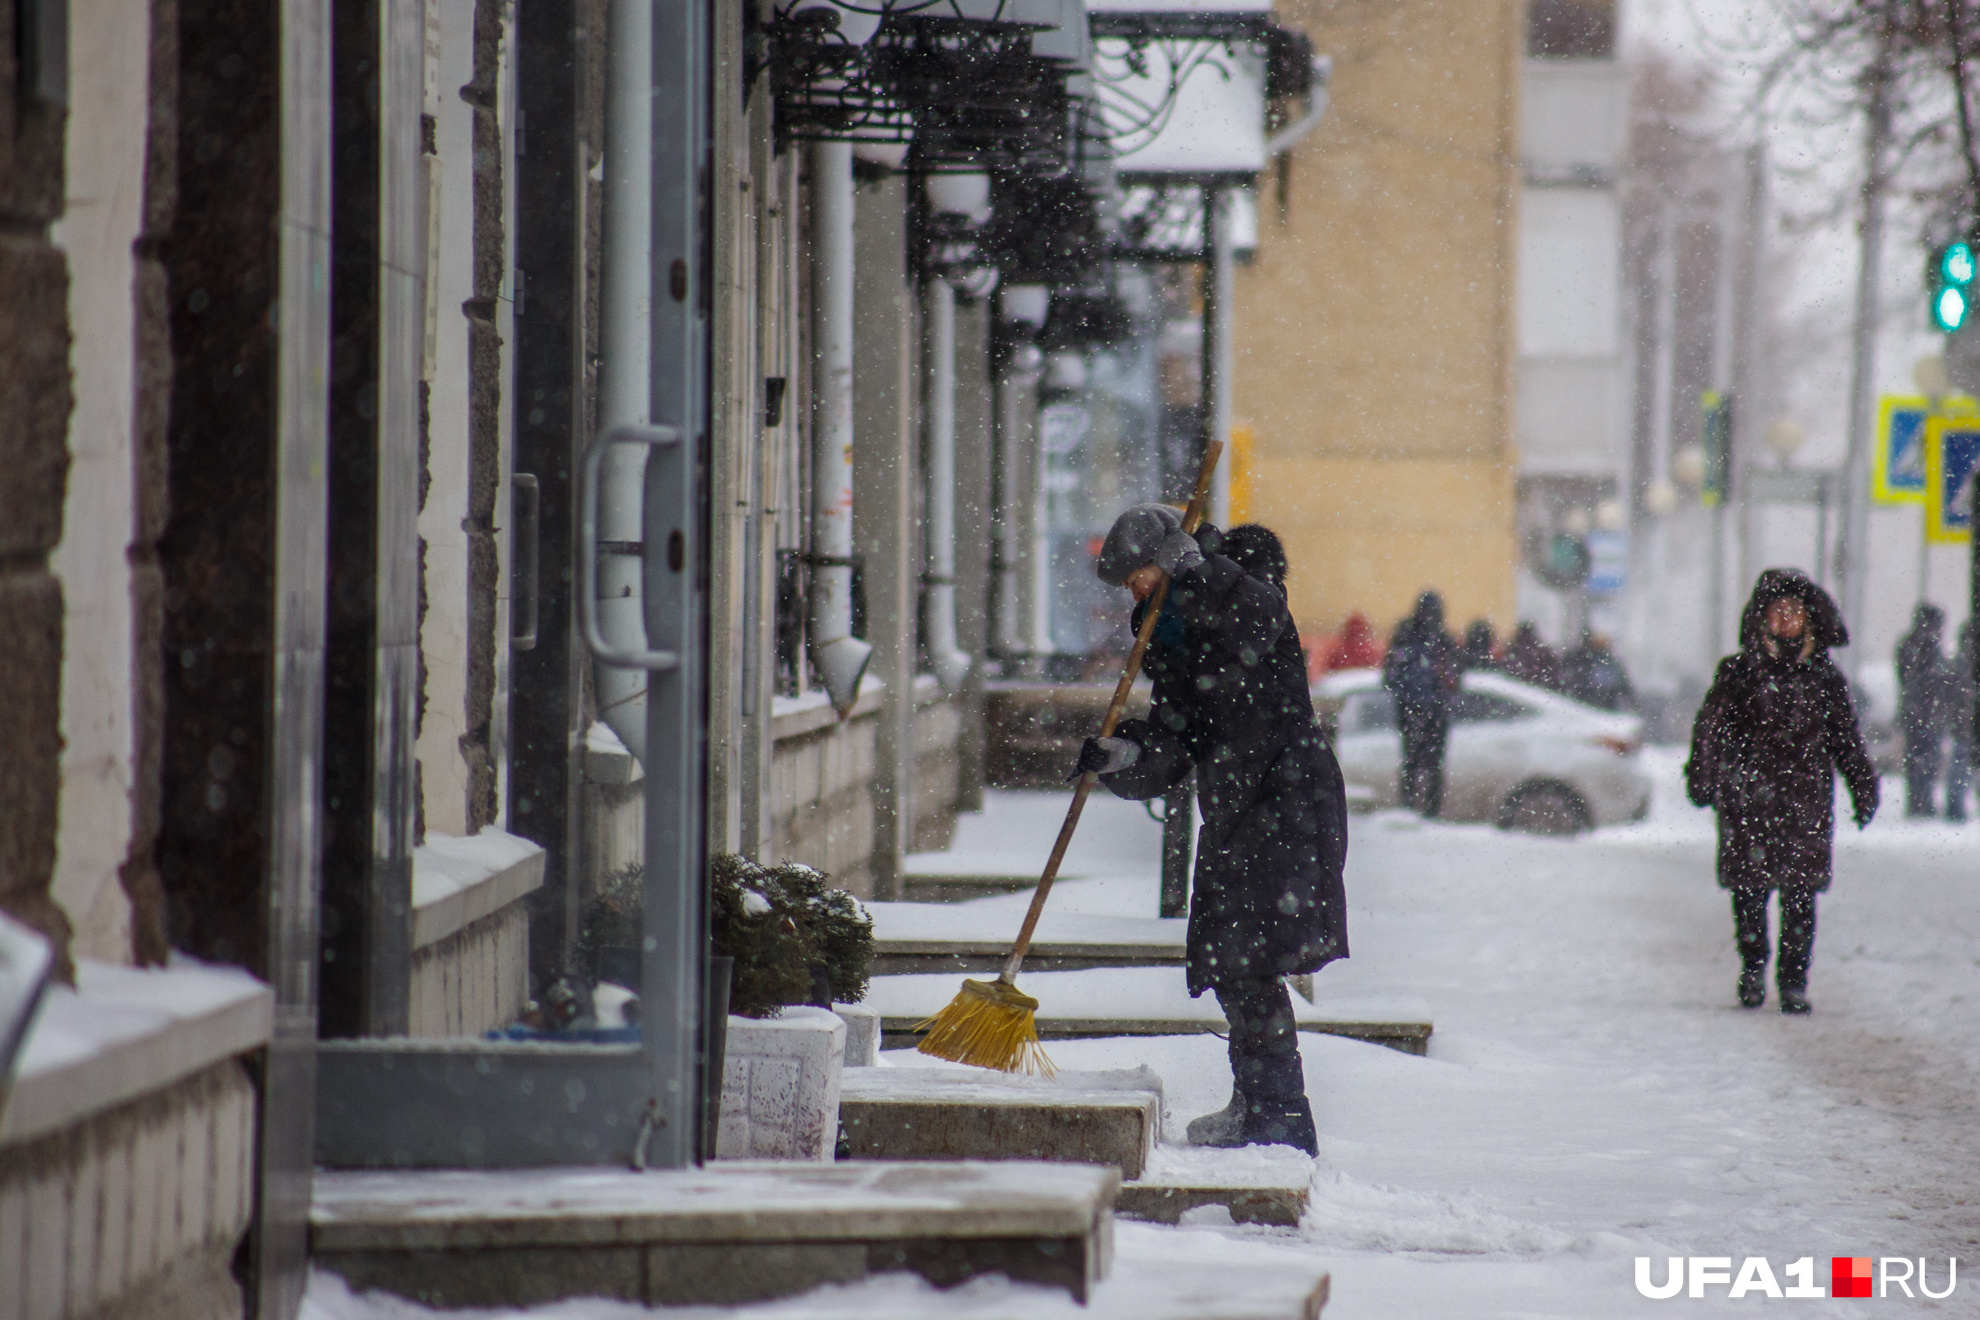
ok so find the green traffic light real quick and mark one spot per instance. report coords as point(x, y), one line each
point(1949, 309)
point(1957, 266)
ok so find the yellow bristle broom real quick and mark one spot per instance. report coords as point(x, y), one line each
point(992, 1024)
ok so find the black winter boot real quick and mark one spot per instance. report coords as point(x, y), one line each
point(1753, 985)
point(1276, 1111)
point(1794, 1000)
point(1223, 1128)
point(1281, 1125)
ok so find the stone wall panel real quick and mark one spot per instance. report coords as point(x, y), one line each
point(30, 772)
point(34, 393)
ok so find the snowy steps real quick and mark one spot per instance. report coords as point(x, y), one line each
point(1107, 1117)
point(1112, 1117)
point(1126, 1000)
point(725, 1234)
point(736, 1233)
point(1166, 1200)
point(898, 955)
point(898, 1033)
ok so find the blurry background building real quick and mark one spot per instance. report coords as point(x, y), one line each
point(1377, 349)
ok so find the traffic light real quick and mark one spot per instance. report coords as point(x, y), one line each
point(1950, 279)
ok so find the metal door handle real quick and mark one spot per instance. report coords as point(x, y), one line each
point(652, 437)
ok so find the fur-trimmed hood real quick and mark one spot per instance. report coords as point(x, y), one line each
point(1825, 621)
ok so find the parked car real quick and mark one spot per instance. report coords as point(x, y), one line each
point(1520, 756)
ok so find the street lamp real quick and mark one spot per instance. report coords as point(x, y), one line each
point(1785, 437)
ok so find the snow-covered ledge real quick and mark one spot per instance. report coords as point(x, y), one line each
point(470, 935)
point(808, 712)
point(457, 882)
point(127, 1146)
point(123, 1032)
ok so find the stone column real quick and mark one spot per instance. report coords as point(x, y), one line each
point(884, 335)
point(975, 443)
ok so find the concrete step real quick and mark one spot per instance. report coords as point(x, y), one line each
point(897, 1033)
point(893, 957)
point(1138, 1001)
point(1111, 1118)
point(1161, 1202)
point(718, 1236)
point(942, 887)
point(1257, 1185)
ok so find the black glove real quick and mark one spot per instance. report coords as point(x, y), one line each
point(1178, 553)
point(1103, 756)
point(1866, 808)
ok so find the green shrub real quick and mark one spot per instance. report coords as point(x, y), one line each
point(750, 921)
point(778, 923)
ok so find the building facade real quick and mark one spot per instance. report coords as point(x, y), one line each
point(1377, 352)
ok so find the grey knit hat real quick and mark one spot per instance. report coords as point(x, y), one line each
point(1146, 534)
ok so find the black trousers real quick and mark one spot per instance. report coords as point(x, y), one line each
point(1264, 1039)
point(1424, 736)
point(1921, 772)
point(1797, 931)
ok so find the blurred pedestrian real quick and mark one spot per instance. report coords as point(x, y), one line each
point(1592, 674)
point(1530, 660)
point(1358, 647)
point(1923, 699)
point(1481, 648)
point(1774, 730)
point(1963, 690)
point(1422, 672)
point(1231, 704)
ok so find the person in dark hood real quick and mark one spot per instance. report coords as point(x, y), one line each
point(1962, 692)
point(1774, 730)
point(1255, 548)
point(1592, 674)
point(1231, 703)
point(1923, 683)
point(1422, 672)
point(1530, 660)
point(1481, 649)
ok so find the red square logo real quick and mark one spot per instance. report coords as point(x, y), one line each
point(1849, 1276)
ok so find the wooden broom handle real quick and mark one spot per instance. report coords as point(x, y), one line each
point(1192, 519)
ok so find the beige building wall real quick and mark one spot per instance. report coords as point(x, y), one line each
point(1374, 342)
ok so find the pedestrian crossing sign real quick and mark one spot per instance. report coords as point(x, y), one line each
point(1898, 466)
point(1898, 476)
point(1952, 452)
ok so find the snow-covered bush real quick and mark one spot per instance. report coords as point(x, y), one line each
point(788, 930)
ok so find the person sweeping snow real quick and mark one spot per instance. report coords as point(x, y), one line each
point(1231, 703)
point(1773, 732)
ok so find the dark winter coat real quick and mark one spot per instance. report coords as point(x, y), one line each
point(1423, 666)
point(1531, 660)
point(1925, 682)
point(1964, 690)
point(1231, 702)
point(1773, 732)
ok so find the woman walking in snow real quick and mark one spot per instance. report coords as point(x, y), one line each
point(1775, 729)
point(1231, 703)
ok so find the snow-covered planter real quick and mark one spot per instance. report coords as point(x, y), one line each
point(862, 1034)
point(780, 1086)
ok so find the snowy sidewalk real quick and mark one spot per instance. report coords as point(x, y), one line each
point(1591, 1094)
